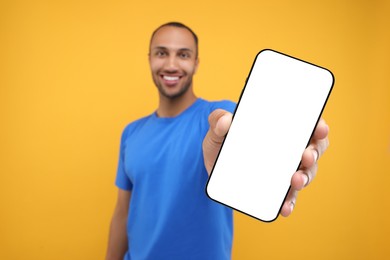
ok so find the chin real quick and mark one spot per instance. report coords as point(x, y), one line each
point(172, 96)
point(173, 92)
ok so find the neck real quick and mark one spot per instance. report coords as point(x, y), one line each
point(172, 107)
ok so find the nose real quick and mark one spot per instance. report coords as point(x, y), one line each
point(171, 63)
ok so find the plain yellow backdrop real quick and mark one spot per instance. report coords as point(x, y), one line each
point(74, 73)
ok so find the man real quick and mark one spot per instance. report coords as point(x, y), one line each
point(162, 210)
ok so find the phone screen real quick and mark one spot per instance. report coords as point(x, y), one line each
point(276, 115)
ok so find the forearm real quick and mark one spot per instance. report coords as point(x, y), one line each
point(117, 242)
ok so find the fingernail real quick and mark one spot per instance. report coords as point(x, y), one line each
point(305, 180)
point(315, 155)
point(292, 205)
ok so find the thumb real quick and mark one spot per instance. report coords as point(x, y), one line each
point(219, 121)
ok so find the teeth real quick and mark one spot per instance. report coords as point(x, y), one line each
point(170, 78)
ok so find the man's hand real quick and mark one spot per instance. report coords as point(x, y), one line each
point(220, 121)
point(308, 168)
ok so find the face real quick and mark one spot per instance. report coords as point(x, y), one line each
point(173, 61)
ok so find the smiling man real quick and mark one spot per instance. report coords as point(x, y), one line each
point(162, 210)
point(173, 74)
point(173, 59)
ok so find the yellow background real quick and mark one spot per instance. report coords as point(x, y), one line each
point(74, 73)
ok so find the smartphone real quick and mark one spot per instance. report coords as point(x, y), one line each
point(275, 117)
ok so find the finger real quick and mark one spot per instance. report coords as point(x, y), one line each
point(303, 177)
point(309, 157)
point(308, 167)
point(316, 148)
point(319, 142)
point(223, 125)
point(321, 131)
point(320, 146)
point(289, 203)
point(314, 151)
point(219, 121)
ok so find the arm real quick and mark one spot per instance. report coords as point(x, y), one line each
point(220, 121)
point(117, 242)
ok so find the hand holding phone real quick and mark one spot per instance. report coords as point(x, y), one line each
point(258, 157)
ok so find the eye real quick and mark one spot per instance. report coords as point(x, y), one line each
point(160, 53)
point(184, 55)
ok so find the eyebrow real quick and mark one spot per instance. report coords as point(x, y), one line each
point(165, 48)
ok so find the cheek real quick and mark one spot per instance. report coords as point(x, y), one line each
point(155, 65)
point(189, 67)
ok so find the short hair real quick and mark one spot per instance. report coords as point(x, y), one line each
point(178, 25)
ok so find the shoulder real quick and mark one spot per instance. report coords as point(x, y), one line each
point(221, 104)
point(133, 126)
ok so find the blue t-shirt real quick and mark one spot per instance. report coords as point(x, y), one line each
point(170, 215)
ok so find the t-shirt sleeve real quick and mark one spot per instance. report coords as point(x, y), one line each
point(122, 181)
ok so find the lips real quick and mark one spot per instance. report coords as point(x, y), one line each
point(170, 80)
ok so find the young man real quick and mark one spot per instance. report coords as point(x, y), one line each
point(162, 210)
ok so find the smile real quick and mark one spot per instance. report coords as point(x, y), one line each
point(170, 78)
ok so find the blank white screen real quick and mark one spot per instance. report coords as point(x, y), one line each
point(276, 115)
